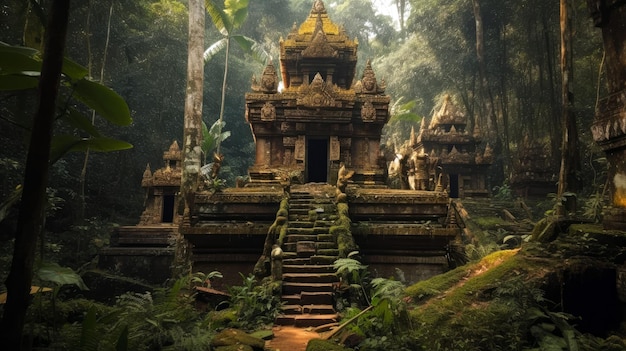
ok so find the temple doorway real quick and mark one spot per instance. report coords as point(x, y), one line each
point(317, 160)
point(168, 209)
point(454, 186)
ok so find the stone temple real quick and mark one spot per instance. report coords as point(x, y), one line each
point(316, 191)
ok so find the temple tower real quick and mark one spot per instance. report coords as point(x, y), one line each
point(161, 189)
point(455, 152)
point(322, 116)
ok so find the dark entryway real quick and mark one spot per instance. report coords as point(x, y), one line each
point(168, 209)
point(317, 160)
point(454, 186)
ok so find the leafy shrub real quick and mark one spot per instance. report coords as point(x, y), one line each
point(256, 304)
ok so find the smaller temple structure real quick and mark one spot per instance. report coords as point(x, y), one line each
point(161, 188)
point(144, 250)
point(609, 126)
point(450, 154)
point(533, 175)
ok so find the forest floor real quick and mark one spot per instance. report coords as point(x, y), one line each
point(287, 338)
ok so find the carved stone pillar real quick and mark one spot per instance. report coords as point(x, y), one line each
point(609, 126)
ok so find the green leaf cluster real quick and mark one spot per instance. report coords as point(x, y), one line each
point(20, 68)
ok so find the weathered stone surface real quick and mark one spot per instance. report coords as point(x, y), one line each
point(229, 337)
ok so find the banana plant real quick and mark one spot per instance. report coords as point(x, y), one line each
point(227, 20)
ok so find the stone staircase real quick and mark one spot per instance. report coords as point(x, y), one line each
point(309, 252)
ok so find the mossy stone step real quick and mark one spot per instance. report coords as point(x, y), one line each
point(310, 277)
point(291, 238)
point(294, 260)
point(328, 252)
point(320, 230)
point(316, 298)
point(326, 238)
point(302, 206)
point(299, 211)
point(300, 224)
point(306, 320)
point(306, 247)
point(326, 244)
point(290, 288)
point(303, 231)
point(322, 259)
point(307, 268)
point(299, 200)
point(313, 309)
point(315, 320)
point(324, 223)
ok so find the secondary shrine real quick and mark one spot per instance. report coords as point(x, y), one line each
point(453, 156)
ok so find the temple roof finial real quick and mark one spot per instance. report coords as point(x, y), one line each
point(318, 7)
point(174, 146)
point(148, 172)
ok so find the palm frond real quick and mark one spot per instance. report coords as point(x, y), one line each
point(237, 11)
point(220, 19)
point(214, 49)
point(252, 48)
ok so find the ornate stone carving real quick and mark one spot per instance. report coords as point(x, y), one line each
point(269, 80)
point(319, 47)
point(610, 122)
point(286, 127)
point(334, 148)
point(368, 112)
point(368, 84)
point(299, 149)
point(289, 141)
point(268, 112)
point(317, 94)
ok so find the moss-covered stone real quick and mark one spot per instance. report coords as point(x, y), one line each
point(281, 220)
point(489, 222)
point(263, 334)
point(544, 231)
point(324, 345)
point(342, 198)
point(222, 319)
point(229, 337)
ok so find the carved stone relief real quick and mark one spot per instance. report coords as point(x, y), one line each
point(334, 148)
point(368, 112)
point(299, 149)
point(268, 112)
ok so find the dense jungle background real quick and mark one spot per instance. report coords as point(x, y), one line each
point(498, 59)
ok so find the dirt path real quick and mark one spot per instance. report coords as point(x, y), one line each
point(290, 339)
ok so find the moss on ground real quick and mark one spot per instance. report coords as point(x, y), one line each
point(489, 222)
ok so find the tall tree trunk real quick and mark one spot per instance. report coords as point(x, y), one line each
point(192, 134)
point(31, 217)
point(555, 140)
point(570, 161)
point(401, 7)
